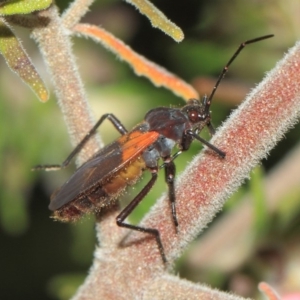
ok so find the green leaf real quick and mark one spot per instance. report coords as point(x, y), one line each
point(19, 62)
point(23, 6)
point(158, 19)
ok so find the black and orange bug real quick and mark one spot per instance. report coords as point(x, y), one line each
point(120, 164)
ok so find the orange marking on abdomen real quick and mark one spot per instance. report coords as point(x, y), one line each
point(126, 176)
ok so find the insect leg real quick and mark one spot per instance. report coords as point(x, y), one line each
point(131, 206)
point(170, 171)
point(206, 143)
point(170, 159)
point(117, 124)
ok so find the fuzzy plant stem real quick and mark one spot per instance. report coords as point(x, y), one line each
point(55, 45)
point(75, 12)
point(247, 136)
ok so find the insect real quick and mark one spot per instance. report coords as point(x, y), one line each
point(106, 175)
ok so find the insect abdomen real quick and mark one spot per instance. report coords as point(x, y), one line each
point(102, 193)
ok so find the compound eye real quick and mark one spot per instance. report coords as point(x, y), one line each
point(194, 116)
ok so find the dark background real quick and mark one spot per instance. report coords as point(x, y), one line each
point(43, 259)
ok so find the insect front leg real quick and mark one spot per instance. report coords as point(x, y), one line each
point(116, 123)
point(191, 133)
point(132, 205)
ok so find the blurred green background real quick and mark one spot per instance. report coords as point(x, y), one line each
point(42, 259)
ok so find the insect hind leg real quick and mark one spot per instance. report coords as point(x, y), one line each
point(131, 206)
point(112, 118)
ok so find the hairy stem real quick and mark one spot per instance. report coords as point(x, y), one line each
point(56, 49)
